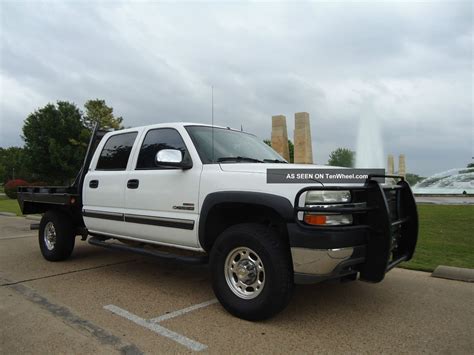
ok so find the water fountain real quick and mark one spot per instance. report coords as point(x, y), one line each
point(369, 143)
point(453, 181)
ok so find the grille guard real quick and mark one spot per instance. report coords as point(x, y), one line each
point(390, 219)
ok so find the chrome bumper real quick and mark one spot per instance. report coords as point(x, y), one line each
point(318, 262)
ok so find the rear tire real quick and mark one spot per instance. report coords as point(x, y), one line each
point(56, 236)
point(251, 271)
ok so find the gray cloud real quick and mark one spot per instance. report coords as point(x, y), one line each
point(408, 64)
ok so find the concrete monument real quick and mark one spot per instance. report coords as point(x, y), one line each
point(390, 165)
point(401, 165)
point(303, 145)
point(280, 136)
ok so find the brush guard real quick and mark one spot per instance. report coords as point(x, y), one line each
point(389, 217)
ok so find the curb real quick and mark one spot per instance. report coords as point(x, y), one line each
point(8, 214)
point(33, 218)
point(454, 273)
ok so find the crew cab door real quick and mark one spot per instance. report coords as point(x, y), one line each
point(105, 183)
point(162, 202)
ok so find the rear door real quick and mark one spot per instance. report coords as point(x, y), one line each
point(162, 202)
point(105, 183)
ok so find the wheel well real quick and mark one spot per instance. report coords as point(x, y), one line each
point(73, 214)
point(224, 215)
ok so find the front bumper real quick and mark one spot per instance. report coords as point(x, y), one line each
point(384, 234)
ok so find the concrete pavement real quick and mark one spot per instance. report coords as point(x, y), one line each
point(68, 307)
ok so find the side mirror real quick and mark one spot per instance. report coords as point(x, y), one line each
point(171, 158)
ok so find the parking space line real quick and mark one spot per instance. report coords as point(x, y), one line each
point(19, 237)
point(182, 311)
point(181, 339)
point(65, 273)
point(73, 320)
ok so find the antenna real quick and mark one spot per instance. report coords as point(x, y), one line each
point(212, 120)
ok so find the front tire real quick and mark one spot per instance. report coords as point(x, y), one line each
point(251, 271)
point(56, 236)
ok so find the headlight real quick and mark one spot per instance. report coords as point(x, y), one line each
point(327, 196)
point(325, 199)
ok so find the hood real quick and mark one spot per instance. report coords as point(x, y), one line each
point(261, 168)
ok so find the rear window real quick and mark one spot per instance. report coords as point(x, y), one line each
point(116, 151)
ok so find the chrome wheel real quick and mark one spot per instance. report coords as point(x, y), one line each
point(49, 236)
point(244, 272)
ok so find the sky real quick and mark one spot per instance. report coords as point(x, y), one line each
point(406, 66)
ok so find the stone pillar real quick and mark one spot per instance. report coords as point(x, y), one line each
point(402, 170)
point(303, 144)
point(390, 165)
point(280, 136)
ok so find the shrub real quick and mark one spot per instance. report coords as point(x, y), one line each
point(12, 185)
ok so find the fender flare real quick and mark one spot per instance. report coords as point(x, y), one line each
point(281, 205)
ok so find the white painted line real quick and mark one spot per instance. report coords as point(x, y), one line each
point(19, 237)
point(181, 339)
point(182, 311)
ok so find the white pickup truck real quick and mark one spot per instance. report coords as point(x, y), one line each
point(159, 189)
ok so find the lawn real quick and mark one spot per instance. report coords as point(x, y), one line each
point(446, 235)
point(9, 205)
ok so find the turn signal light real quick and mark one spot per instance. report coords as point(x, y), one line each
point(315, 219)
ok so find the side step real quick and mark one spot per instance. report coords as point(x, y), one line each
point(198, 259)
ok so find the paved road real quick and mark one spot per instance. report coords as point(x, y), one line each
point(102, 301)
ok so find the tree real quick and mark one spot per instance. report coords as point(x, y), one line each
point(342, 157)
point(13, 164)
point(98, 111)
point(291, 148)
point(413, 179)
point(470, 165)
point(49, 134)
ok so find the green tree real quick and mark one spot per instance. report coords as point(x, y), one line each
point(13, 164)
point(97, 111)
point(413, 179)
point(342, 157)
point(291, 148)
point(470, 165)
point(49, 134)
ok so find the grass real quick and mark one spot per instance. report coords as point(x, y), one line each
point(9, 205)
point(446, 235)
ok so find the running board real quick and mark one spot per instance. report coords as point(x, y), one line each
point(198, 259)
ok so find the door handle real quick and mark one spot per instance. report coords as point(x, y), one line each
point(93, 184)
point(133, 184)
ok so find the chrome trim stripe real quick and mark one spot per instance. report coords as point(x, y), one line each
point(141, 219)
point(114, 216)
point(160, 221)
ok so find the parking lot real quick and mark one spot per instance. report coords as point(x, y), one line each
point(108, 302)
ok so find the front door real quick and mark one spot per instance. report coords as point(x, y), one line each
point(162, 202)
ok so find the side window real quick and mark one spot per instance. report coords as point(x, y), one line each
point(156, 140)
point(114, 155)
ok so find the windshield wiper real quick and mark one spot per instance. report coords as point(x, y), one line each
point(275, 161)
point(238, 159)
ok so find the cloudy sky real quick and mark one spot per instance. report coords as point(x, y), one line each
point(407, 67)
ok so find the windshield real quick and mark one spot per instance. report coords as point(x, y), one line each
point(230, 146)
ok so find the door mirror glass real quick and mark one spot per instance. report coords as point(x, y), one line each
point(169, 157)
